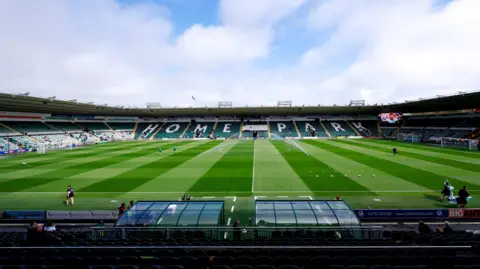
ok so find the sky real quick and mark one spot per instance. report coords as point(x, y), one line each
point(249, 52)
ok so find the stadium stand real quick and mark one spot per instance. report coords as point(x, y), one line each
point(145, 130)
point(431, 129)
point(339, 128)
point(65, 126)
point(29, 127)
point(94, 126)
point(304, 127)
point(198, 129)
point(282, 129)
point(365, 128)
point(227, 129)
point(260, 127)
point(122, 126)
point(295, 249)
point(172, 130)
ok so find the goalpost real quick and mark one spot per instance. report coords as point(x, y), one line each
point(41, 148)
point(469, 144)
point(408, 137)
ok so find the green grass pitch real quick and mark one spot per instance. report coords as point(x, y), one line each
point(363, 172)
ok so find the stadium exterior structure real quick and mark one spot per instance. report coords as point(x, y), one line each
point(28, 104)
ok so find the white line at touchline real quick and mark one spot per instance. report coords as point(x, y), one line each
point(182, 192)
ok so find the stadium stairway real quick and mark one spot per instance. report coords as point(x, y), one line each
point(325, 129)
point(146, 129)
point(304, 125)
point(135, 130)
point(296, 128)
point(269, 132)
point(205, 128)
point(379, 130)
point(172, 130)
point(338, 128)
point(184, 131)
point(367, 128)
point(53, 127)
point(353, 128)
point(213, 129)
point(108, 126)
point(158, 130)
point(68, 127)
point(4, 129)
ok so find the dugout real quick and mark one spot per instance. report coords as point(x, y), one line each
point(308, 213)
point(173, 214)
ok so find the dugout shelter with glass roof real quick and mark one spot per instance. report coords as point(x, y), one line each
point(269, 213)
point(173, 214)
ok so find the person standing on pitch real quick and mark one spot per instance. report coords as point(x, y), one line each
point(174, 148)
point(160, 150)
point(70, 195)
point(395, 151)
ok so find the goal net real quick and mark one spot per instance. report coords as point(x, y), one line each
point(408, 137)
point(41, 148)
point(469, 144)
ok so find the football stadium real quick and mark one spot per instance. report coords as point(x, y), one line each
point(239, 134)
point(283, 174)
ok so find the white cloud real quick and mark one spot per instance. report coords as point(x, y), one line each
point(100, 51)
point(407, 49)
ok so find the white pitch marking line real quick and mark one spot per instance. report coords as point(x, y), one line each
point(208, 197)
point(234, 199)
point(233, 208)
point(282, 196)
point(309, 197)
point(253, 169)
point(220, 192)
point(228, 222)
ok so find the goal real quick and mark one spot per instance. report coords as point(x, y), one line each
point(408, 137)
point(41, 148)
point(469, 144)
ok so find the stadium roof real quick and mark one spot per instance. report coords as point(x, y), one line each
point(303, 213)
point(173, 214)
point(29, 104)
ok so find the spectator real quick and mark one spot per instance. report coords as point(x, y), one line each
point(131, 204)
point(121, 210)
point(462, 197)
point(237, 232)
point(49, 227)
point(423, 228)
point(447, 228)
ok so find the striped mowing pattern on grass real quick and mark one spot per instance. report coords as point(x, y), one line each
point(136, 170)
point(233, 172)
point(315, 173)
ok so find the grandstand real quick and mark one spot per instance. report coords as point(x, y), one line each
point(308, 191)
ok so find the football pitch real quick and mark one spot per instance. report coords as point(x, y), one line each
point(363, 172)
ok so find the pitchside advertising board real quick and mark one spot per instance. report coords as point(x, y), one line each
point(82, 215)
point(13, 151)
point(418, 214)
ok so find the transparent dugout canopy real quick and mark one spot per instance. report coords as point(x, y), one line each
point(173, 214)
point(303, 213)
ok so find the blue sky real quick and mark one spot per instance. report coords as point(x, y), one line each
point(250, 52)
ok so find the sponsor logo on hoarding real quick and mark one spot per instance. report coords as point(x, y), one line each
point(400, 214)
point(461, 213)
point(81, 215)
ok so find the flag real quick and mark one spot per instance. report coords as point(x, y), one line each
point(193, 98)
